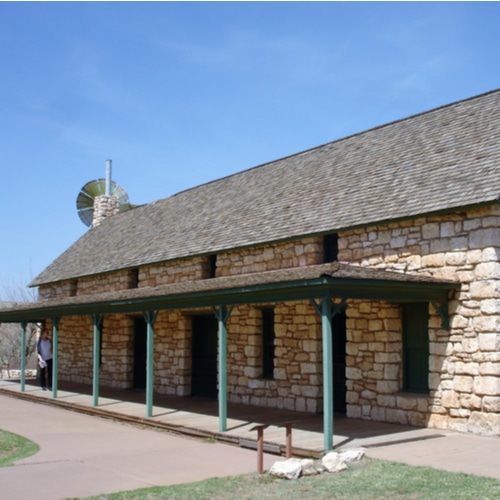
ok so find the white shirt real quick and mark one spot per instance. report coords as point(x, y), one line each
point(45, 349)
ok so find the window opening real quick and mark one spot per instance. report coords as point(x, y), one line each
point(212, 266)
point(330, 247)
point(134, 278)
point(416, 347)
point(268, 343)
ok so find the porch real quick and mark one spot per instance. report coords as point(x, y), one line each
point(198, 417)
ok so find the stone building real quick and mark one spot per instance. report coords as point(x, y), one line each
point(361, 276)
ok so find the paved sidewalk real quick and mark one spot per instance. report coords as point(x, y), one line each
point(82, 456)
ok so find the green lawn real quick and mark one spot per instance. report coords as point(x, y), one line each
point(14, 447)
point(368, 479)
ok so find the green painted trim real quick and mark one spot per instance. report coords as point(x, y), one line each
point(55, 354)
point(327, 339)
point(23, 355)
point(150, 317)
point(97, 322)
point(442, 309)
point(222, 314)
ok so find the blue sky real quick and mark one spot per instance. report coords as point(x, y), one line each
point(178, 94)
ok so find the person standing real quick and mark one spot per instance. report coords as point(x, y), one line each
point(44, 349)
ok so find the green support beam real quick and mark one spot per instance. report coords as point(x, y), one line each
point(442, 309)
point(150, 317)
point(55, 354)
point(222, 314)
point(327, 310)
point(97, 321)
point(326, 325)
point(23, 355)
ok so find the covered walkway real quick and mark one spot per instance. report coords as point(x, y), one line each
point(326, 286)
point(199, 417)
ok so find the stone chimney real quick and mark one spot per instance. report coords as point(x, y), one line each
point(105, 205)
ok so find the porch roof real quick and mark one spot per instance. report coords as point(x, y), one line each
point(334, 280)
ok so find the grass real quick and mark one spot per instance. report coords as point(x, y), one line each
point(14, 447)
point(368, 479)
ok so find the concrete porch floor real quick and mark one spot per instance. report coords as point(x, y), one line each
point(199, 417)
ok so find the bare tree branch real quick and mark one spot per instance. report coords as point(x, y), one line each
point(11, 333)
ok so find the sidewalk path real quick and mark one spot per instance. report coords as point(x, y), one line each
point(82, 456)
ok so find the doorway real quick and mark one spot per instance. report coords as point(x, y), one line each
point(140, 352)
point(339, 363)
point(204, 353)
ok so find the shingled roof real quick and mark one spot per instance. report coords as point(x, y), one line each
point(444, 159)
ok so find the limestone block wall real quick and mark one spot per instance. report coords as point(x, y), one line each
point(244, 354)
point(374, 366)
point(117, 355)
point(75, 349)
point(76, 341)
point(172, 353)
point(304, 252)
point(299, 362)
point(297, 382)
point(176, 271)
point(110, 282)
point(57, 290)
point(464, 361)
point(88, 285)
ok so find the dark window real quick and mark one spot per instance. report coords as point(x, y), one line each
point(212, 266)
point(204, 356)
point(330, 247)
point(133, 278)
point(416, 347)
point(268, 343)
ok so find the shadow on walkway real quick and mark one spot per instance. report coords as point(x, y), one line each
point(199, 417)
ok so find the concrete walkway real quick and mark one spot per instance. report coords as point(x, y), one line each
point(83, 455)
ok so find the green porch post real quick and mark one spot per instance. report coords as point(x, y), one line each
point(97, 321)
point(326, 323)
point(23, 355)
point(55, 354)
point(327, 310)
point(150, 317)
point(222, 314)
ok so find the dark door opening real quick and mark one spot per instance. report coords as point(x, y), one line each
point(204, 352)
point(339, 364)
point(140, 352)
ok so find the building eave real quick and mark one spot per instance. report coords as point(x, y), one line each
point(335, 280)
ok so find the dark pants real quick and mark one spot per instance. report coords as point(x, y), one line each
point(46, 375)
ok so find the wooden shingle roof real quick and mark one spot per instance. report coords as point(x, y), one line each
point(444, 159)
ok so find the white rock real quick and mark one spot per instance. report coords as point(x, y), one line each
point(289, 469)
point(352, 454)
point(309, 467)
point(333, 462)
